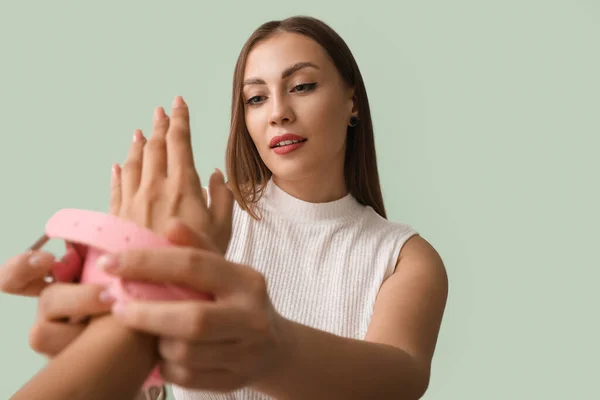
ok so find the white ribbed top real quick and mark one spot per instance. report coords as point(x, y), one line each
point(324, 263)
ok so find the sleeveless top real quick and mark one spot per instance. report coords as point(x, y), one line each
point(323, 262)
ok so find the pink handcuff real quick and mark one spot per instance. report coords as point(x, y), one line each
point(90, 234)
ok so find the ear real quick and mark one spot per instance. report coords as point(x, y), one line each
point(353, 104)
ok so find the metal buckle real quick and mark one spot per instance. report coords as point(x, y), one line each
point(154, 393)
point(39, 243)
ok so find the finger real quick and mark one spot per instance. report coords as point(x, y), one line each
point(115, 190)
point(221, 197)
point(200, 270)
point(180, 234)
point(24, 274)
point(73, 301)
point(221, 206)
point(132, 168)
point(216, 380)
point(180, 157)
point(50, 338)
point(155, 152)
point(202, 355)
point(200, 321)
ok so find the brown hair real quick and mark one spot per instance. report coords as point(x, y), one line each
point(246, 171)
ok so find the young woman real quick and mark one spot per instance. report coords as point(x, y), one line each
point(317, 294)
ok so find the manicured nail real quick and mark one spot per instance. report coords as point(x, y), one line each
point(118, 309)
point(138, 136)
point(36, 260)
point(220, 175)
point(159, 113)
point(107, 297)
point(115, 169)
point(178, 102)
point(107, 262)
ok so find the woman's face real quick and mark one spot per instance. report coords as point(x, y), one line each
point(297, 107)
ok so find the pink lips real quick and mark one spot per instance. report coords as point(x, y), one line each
point(289, 147)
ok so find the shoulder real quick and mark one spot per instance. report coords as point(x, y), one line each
point(418, 253)
point(419, 260)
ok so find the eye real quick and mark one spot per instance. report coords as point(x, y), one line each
point(254, 100)
point(304, 87)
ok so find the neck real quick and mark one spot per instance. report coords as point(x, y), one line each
point(319, 188)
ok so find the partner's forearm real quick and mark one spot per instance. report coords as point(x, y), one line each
point(108, 361)
point(324, 366)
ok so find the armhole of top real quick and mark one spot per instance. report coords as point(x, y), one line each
point(399, 243)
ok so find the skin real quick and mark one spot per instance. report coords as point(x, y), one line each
point(239, 340)
point(320, 113)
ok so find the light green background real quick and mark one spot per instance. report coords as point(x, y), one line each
point(487, 116)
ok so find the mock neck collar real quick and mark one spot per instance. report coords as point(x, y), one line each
point(292, 207)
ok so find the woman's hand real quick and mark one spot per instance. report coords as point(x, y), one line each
point(235, 341)
point(159, 182)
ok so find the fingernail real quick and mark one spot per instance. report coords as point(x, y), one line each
point(220, 175)
point(118, 309)
point(115, 169)
point(178, 102)
point(36, 260)
point(107, 297)
point(159, 113)
point(107, 263)
point(138, 136)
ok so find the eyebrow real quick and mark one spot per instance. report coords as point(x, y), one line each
point(285, 74)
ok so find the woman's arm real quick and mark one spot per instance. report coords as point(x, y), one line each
point(108, 361)
point(393, 362)
point(321, 365)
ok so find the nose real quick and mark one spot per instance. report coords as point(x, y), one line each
point(281, 111)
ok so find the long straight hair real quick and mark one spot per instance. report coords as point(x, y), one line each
point(246, 171)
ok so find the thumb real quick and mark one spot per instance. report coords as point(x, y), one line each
point(221, 203)
point(180, 234)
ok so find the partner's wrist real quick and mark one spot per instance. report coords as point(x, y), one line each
point(111, 361)
point(108, 327)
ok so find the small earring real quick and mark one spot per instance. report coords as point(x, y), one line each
point(353, 121)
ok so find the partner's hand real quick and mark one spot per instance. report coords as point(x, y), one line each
point(135, 196)
point(63, 312)
point(237, 340)
point(24, 273)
